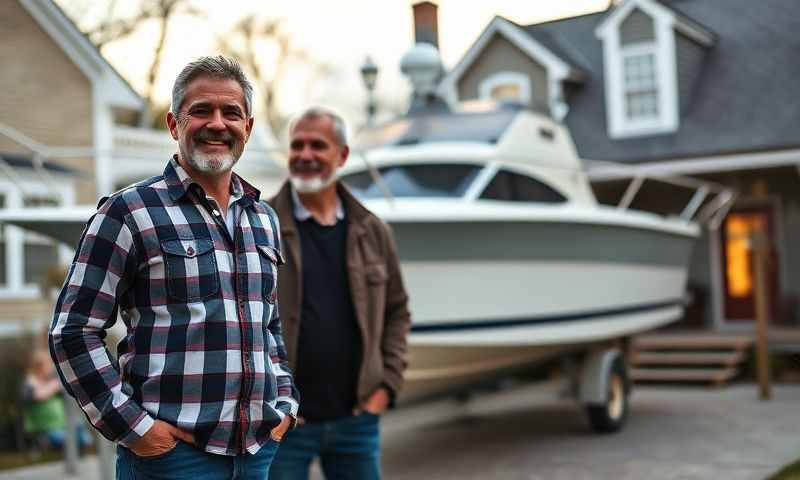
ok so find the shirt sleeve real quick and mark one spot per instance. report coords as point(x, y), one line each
point(101, 271)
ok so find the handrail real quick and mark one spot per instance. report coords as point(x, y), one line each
point(712, 213)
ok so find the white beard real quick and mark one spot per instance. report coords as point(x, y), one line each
point(312, 185)
point(211, 163)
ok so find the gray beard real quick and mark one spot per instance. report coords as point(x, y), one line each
point(209, 164)
point(313, 185)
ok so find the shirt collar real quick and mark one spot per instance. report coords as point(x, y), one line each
point(179, 183)
point(301, 213)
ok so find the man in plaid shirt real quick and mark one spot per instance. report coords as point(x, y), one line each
point(188, 259)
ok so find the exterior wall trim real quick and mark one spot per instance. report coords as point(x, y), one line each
point(698, 165)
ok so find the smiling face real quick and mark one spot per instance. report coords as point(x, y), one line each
point(315, 154)
point(212, 125)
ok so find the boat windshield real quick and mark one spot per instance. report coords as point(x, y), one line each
point(445, 180)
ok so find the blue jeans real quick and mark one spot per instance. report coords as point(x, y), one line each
point(348, 448)
point(187, 462)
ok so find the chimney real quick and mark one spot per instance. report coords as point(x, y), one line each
point(426, 25)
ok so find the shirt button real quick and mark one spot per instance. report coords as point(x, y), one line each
point(216, 213)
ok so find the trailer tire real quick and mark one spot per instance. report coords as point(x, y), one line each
point(610, 416)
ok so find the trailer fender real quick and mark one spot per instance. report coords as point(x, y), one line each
point(595, 372)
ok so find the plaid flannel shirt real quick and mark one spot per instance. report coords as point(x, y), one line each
point(203, 349)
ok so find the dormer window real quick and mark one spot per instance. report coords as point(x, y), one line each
point(640, 74)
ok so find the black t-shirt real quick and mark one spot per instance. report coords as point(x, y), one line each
point(329, 344)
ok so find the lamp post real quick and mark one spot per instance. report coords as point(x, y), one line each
point(369, 73)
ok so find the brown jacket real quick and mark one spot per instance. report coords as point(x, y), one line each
point(376, 287)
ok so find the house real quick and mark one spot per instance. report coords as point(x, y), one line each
point(703, 88)
point(68, 136)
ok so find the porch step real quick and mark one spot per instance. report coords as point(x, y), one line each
point(700, 357)
point(691, 358)
point(687, 342)
point(716, 376)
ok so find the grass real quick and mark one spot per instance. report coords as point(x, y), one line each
point(789, 472)
point(9, 460)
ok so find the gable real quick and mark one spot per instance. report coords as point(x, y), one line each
point(539, 50)
point(637, 27)
point(500, 55)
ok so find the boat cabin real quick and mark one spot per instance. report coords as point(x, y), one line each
point(503, 154)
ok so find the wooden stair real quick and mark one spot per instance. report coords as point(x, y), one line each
point(700, 357)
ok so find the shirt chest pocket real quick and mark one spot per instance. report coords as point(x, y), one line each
point(190, 268)
point(270, 258)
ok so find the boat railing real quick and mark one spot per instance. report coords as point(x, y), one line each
point(712, 213)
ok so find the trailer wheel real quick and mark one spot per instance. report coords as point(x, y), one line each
point(610, 416)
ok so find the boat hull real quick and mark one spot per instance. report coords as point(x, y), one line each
point(487, 297)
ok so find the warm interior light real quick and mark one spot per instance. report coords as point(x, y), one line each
point(739, 272)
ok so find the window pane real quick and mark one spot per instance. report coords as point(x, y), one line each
point(508, 92)
point(430, 180)
point(527, 189)
point(39, 252)
point(499, 188)
point(38, 258)
point(640, 72)
point(39, 202)
point(358, 181)
point(642, 104)
point(510, 186)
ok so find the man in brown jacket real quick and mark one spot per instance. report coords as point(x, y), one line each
point(343, 308)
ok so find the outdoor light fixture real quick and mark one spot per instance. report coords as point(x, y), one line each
point(369, 73)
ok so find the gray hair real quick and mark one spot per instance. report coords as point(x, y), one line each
point(218, 67)
point(313, 113)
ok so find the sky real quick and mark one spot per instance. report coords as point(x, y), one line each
point(336, 34)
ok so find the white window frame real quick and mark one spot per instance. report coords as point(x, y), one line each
point(506, 78)
point(663, 48)
point(15, 237)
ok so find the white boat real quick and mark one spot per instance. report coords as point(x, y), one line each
point(506, 255)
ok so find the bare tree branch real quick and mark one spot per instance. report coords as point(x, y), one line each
point(243, 42)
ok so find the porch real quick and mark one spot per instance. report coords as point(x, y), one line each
point(710, 357)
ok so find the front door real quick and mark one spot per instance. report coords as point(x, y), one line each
point(737, 253)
